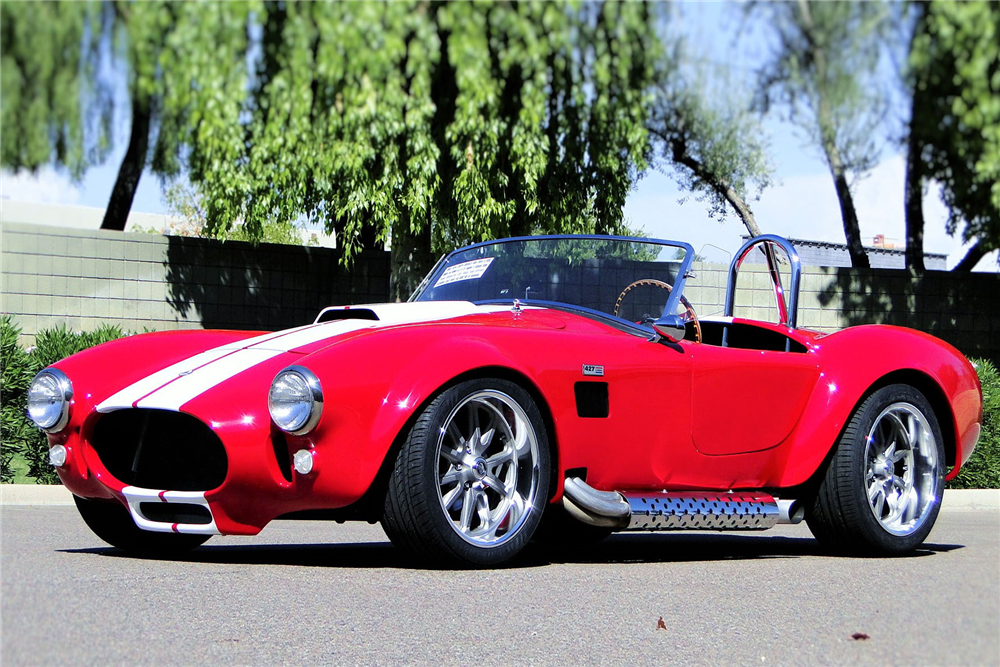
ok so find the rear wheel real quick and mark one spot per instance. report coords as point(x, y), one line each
point(882, 489)
point(111, 522)
point(471, 480)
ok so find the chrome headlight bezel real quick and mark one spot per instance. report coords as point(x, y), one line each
point(295, 400)
point(50, 414)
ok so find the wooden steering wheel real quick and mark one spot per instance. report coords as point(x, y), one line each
point(689, 314)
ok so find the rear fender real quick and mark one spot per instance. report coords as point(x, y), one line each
point(859, 360)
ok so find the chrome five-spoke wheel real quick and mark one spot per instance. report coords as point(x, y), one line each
point(472, 477)
point(881, 492)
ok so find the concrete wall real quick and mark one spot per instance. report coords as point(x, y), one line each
point(54, 275)
point(963, 309)
point(84, 278)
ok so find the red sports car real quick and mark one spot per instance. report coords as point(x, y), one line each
point(531, 387)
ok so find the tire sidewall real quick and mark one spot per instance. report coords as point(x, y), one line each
point(439, 411)
point(870, 527)
point(111, 522)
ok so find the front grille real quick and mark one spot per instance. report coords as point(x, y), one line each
point(159, 449)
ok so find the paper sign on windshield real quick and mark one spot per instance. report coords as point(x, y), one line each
point(465, 271)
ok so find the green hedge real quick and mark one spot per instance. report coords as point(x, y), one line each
point(24, 451)
point(982, 471)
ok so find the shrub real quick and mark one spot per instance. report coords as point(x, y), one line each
point(15, 375)
point(24, 448)
point(982, 471)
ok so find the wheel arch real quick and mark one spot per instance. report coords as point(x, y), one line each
point(528, 385)
point(934, 394)
point(370, 505)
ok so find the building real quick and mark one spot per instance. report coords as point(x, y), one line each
point(881, 255)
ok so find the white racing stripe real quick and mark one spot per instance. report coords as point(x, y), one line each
point(172, 387)
point(185, 388)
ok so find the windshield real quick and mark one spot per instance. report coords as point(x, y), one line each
point(623, 277)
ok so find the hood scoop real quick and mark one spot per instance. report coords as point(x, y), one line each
point(334, 313)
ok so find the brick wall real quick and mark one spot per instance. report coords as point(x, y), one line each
point(83, 278)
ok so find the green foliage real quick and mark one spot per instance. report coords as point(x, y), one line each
point(982, 471)
point(15, 375)
point(707, 135)
point(824, 67)
point(187, 205)
point(43, 83)
point(23, 445)
point(428, 123)
point(434, 124)
point(955, 67)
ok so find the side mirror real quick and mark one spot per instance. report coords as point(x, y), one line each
point(671, 327)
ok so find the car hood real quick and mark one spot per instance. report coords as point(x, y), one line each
point(171, 387)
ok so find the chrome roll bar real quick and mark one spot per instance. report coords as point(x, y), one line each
point(787, 312)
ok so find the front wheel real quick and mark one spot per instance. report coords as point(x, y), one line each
point(882, 489)
point(111, 522)
point(472, 478)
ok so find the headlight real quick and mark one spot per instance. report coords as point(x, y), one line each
point(295, 400)
point(48, 400)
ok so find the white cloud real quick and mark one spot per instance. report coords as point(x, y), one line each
point(47, 186)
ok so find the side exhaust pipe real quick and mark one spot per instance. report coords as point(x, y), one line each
point(677, 510)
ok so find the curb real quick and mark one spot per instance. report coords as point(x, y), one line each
point(56, 494)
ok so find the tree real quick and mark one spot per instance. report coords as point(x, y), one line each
point(824, 68)
point(429, 124)
point(954, 132)
point(57, 96)
point(714, 149)
point(424, 124)
point(45, 69)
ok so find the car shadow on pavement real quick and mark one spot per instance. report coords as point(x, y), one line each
point(686, 547)
point(642, 548)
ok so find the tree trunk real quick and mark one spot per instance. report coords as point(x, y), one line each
point(852, 229)
point(722, 187)
point(130, 171)
point(976, 253)
point(913, 203)
point(410, 258)
point(826, 126)
point(913, 195)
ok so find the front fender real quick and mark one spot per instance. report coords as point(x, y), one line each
point(373, 386)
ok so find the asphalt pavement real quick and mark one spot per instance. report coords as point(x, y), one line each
point(323, 593)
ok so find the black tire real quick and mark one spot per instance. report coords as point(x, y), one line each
point(881, 491)
point(443, 505)
point(560, 530)
point(111, 522)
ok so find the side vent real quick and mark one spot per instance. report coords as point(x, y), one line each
point(281, 454)
point(592, 400)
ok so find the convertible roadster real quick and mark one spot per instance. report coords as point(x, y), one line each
point(539, 387)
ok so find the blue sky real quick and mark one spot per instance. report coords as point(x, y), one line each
point(801, 203)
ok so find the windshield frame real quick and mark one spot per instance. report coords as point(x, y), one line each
point(673, 301)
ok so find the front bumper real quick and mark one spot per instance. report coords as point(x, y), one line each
point(257, 487)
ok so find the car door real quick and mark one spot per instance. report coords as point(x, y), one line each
point(745, 400)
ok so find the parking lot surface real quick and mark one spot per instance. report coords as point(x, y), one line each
point(310, 592)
